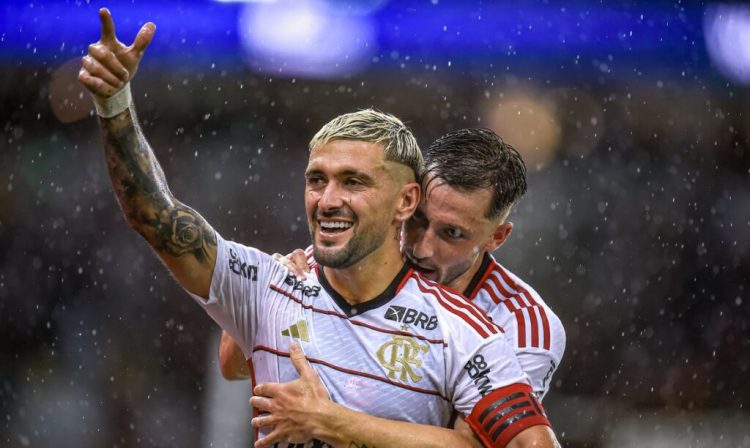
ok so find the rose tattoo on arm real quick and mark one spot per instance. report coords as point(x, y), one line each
point(181, 231)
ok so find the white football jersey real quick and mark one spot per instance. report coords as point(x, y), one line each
point(415, 353)
point(531, 327)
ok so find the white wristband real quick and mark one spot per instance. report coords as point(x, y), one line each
point(109, 107)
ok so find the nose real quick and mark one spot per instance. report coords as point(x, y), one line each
point(422, 244)
point(331, 197)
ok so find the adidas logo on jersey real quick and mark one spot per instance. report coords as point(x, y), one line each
point(297, 331)
point(410, 316)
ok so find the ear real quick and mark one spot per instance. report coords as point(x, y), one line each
point(408, 201)
point(501, 233)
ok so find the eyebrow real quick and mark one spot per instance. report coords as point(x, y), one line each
point(345, 173)
point(421, 216)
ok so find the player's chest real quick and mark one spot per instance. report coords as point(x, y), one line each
point(391, 344)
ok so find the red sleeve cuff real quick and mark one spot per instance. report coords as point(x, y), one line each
point(504, 413)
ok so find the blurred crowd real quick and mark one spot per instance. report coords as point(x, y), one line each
point(635, 230)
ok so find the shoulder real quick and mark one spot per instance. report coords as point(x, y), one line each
point(452, 309)
point(246, 262)
point(530, 322)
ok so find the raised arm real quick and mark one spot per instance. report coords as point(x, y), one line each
point(179, 235)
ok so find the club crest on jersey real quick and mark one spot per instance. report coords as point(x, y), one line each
point(410, 316)
point(400, 357)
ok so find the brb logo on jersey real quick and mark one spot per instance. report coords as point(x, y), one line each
point(409, 316)
point(401, 355)
point(239, 267)
point(297, 285)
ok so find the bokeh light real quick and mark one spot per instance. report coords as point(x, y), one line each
point(727, 29)
point(528, 122)
point(305, 39)
point(68, 99)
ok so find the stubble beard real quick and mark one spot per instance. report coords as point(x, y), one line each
point(359, 246)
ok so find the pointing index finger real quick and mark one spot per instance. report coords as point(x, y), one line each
point(108, 25)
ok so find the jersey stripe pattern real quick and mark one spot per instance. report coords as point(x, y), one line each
point(531, 326)
point(414, 353)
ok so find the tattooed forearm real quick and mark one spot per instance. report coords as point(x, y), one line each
point(147, 203)
point(180, 230)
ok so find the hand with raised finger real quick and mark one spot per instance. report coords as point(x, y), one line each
point(297, 410)
point(109, 64)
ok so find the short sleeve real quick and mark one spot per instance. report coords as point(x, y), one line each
point(540, 364)
point(240, 280)
point(481, 366)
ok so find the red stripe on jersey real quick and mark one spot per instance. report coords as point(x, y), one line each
point(510, 304)
point(458, 299)
point(456, 296)
point(505, 294)
point(353, 372)
point(521, 324)
point(404, 280)
point(356, 322)
point(491, 293)
point(458, 313)
point(514, 306)
point(473, 318)
point(530, 298)
point(486, 274)
point(534, 326)
point(503, 290)
point(503, 413)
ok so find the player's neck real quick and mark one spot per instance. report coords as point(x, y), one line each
point(461, 282)
point(369, 277)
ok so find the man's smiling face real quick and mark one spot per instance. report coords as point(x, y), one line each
point(351, 194)
point(449, 232)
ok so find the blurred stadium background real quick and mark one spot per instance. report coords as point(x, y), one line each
point(633, 117)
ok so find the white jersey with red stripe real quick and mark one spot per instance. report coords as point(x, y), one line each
point(415, 353)
point(531, 327)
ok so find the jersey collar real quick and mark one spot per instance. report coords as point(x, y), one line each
point(479, 277)
point(383, 298)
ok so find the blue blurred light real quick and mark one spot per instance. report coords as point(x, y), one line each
point(309, 39)
point(727, 29)
point(428, 32)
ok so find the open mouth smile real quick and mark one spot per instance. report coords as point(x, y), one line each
point(334, 227)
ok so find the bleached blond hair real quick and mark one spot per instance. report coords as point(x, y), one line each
point(373, 126)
